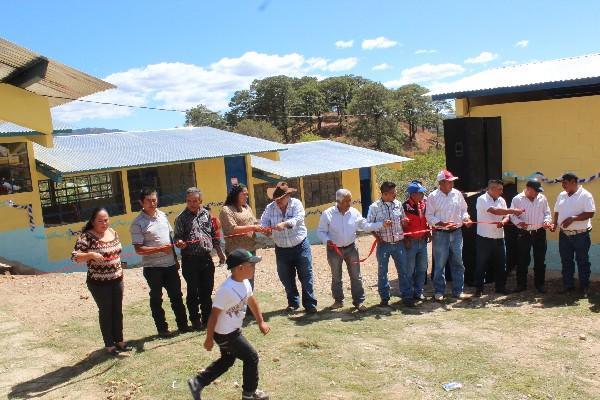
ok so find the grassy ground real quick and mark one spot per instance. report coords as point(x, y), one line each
point(499, 349)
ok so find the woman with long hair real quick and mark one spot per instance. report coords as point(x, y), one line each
point(99, 247)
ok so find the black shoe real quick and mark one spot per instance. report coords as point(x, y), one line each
point(585, 292)
point(541, 289)
point(408, 302)
point(256, 395)
point(478, 293)
point(291, 309)
point(567, 290)
point(184, 329)
point(311, 310)
point(197, 325)
point(165, 334)
point(114, 352)
point(520, 288)
point(384, 303)
point(420, 297)
point(503, 291)
point(195, 388)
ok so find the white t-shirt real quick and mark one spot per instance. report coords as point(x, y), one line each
point(569, 206)
point(484, 203)
point(232, 299)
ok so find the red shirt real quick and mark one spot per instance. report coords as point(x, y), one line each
point(416, 218)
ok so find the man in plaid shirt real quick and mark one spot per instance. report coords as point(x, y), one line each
point(390, 239)
point(285, 216)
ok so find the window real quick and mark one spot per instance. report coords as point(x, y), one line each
point(73, 199)
point(171, 182)
point(15, 176)
point(320, 189)
point(260, 194)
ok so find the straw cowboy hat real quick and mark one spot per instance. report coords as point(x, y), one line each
point(282, 189)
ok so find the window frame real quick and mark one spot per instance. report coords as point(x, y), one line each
point(27, 185)
point(315, 188)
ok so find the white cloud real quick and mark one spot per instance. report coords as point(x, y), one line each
point(378, 43)
point(522, 43)
point(483, 57)
point(509, 62)
point(426, 73)
point(381, 67)
point(180, 86)
point(426, 51)
point(344, 44)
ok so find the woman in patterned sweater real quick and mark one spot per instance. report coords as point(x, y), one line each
point(100, 248)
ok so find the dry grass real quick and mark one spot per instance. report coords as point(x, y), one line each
point(514, 347)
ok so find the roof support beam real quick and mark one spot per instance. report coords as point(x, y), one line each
point(51, 173)
point(262, 176)
point(24, 108)
point(30, 74)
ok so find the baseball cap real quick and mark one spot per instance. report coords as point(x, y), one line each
point(446, 175)
point(416, 187)
point(535, 185)
point(241, 256)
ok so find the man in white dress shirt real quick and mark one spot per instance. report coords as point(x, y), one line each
point(532, 225)
point(337, 229)
point(492, 215)
point(447, 212)
point(573, 211)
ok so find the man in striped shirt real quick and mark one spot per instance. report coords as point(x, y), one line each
point(285, 216)
point(389, 242)
point(447, 212)
point(532, 225)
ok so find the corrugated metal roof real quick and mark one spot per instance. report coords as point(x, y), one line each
point(322, 156)
point(553, 74)
point(60, 80)
point(95, 152)
point(8, 129)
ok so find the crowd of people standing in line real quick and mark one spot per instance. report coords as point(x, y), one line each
point(402, 231)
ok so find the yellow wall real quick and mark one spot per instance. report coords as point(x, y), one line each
point(25, 108)
point(550, 136)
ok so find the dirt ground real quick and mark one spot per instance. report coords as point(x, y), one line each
point(35, 309)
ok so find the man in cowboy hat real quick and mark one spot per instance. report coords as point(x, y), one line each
point(285, 216)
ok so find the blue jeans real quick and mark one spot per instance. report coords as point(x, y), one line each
point(384, 251)
point(490, 251)
point(448, 246)
point(292, 261)
point(413, 275)
point(578, 245)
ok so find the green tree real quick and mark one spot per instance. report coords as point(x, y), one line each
point(377, 124)
point(274, 97)
point(338, 92)
point(410, 105)
point(241, 106)
point(259, 129)
point(310, 102)
point(202, 116)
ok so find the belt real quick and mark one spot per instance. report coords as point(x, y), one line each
point(530, 232)
point(399, 241)
point(447, 230)
point(575, 231)
point(345, 247)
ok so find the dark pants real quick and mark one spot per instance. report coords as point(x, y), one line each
point(490, 251)
point(525, 241)
point(109, 298)
point(167, 277)
point(233, 345)
point(351, 258)
point(292, 261)
point(199, 273)
point(578, 246)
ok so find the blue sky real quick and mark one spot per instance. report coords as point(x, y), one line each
point(180, 53)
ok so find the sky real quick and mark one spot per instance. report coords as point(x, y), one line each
point(179, 54)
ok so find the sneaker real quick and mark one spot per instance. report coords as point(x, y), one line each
point(438, 297)
point(311, 310)
point(360, 307)
point(291, 309)
point(195, 388)
point(257, 395)
point(336, 305)
point(420, 297)
point(461, 296)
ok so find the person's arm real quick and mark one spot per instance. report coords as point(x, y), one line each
point(323, 228)
point(254, 307)
point(466, 218)
point(298, 214)
point(179, 233)
point(504, 211)
point(589, 209)
point(230, 227)
point(364, 225)
point(517, 220)
point(547, 215)
point(432, 219)
point(210, 328)
point(264, 218)
point(81, 251)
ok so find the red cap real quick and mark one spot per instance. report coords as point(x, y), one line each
point(446, 175)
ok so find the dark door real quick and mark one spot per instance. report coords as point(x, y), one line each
point(365, 190)
point(235, 171)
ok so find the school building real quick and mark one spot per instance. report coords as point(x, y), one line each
point(550, 125)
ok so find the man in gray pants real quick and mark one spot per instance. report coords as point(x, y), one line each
point(337, 229)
